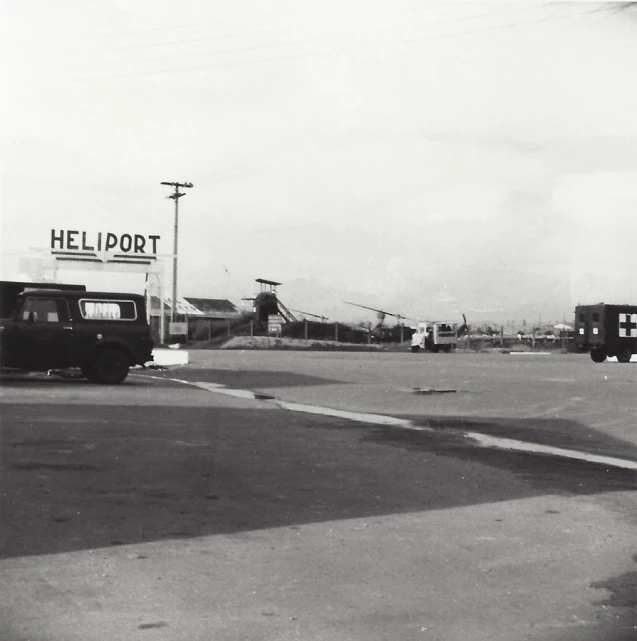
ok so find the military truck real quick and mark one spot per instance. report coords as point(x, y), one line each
point(606, 331)
point(102, 334)
point(436, 337)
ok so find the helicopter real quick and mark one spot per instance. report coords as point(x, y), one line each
point(381, 332)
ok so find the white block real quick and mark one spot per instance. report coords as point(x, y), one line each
point(165, 357)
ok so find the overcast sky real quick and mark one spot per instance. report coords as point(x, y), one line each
point(424, 158)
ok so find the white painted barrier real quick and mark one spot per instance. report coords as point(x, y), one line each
point(163, 356)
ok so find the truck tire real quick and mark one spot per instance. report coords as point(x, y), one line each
point(624, 354)
point(598, 354)
point(435, 348)
point(415, 348)
point(109, 366)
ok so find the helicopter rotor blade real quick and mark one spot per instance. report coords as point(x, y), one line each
point(372, 309)
point(399, 317)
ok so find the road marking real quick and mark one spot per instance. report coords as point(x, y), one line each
point(522, 446)
point(528, 353)
point(360, 417)
point(483, 440)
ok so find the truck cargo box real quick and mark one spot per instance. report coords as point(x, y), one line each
point(606, 331)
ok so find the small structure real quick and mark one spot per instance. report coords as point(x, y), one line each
point(213, 312)
point(267, 303)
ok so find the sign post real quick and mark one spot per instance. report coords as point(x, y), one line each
point(275, 324)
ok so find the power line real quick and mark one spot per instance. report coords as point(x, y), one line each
point(512, 25)
point(306, 54)
point(133, 32)
point(205, 67)
point(292, 42)
point(259, 31)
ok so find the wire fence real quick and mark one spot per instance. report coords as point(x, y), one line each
point(214, 332)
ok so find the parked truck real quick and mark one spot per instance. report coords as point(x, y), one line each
point(606, 331)
point(102, 334)
point(435, 337)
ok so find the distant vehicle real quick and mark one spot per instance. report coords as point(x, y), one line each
point(437, 336)
point(102, 334)
point(606, 331)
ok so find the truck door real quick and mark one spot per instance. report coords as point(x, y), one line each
point(580, 328)
point(595, 328)
point(42, 334)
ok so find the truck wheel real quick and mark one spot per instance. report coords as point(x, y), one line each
point(447, 348)
point(415, 348)
point(435, 348)
point(598, 354)
point(624, 354)
point(109, 366)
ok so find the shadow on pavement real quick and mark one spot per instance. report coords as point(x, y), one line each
point(556, 432)
point(77, 476)
point(18, 380)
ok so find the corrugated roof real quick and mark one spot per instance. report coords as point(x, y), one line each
point(202, 307)
point(212, 304)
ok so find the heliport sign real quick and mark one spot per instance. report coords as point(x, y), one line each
point(104, 247)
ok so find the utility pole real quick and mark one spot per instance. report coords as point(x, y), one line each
point(175, 196)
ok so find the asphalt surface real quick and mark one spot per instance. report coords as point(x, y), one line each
point(161, 510)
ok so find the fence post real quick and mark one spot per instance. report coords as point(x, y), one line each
point(306, 329)
point(228, 321)
point(251, 328)
point(336, 332)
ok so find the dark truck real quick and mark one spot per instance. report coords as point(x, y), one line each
point(103, 334)
point(606, 331)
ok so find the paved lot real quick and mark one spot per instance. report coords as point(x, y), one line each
point(563, 400)
point(158, 510)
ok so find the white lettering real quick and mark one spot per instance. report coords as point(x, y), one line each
point(106, 311)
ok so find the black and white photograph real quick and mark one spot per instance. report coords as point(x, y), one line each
point(318, 320)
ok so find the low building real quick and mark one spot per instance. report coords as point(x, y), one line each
point(204, 316)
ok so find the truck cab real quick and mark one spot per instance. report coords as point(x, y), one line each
point(435, 336)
